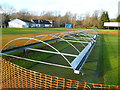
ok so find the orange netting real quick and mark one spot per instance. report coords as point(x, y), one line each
point(14, 76)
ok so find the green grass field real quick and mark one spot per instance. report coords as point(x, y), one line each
point(100, 67)
point(9, 31)
point(109, 58)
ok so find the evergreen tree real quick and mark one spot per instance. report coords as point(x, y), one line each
point(107, 17)
point(118, 18)
point(104, 18)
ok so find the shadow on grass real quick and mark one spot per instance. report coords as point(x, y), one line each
point(103, 64)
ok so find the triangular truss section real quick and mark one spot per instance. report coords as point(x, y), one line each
point(85, 38)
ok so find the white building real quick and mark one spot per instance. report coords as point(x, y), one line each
point(18, 23)
point(112, 24)
point(42, 23)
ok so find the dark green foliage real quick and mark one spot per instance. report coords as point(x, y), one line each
point(118, 19)
point(104, 18)
point(107, 17)
point(6, 18)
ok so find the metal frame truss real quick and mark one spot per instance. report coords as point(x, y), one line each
point(82, 37)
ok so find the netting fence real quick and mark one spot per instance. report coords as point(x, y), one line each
point(14, 76)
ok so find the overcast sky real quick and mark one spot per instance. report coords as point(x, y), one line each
point(74, 6)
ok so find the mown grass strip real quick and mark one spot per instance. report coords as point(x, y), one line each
point(110, 59)
point(8, 31)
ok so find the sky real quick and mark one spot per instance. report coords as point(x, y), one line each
point(79, 7)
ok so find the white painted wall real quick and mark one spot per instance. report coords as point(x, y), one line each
point(112, 24)
point(48, 25)
point(17, 23)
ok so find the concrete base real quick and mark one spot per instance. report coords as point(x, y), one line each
point(76, 72)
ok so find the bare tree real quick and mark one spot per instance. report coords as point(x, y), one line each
point(94, 18)
point(24, 14)
point(69, 18)
point(47, 15)
point(87, 21)
point(74, 19)
point(7, 13)
point(91, 21)
point(8, 9)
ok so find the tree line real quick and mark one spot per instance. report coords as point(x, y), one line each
point(97, 19)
